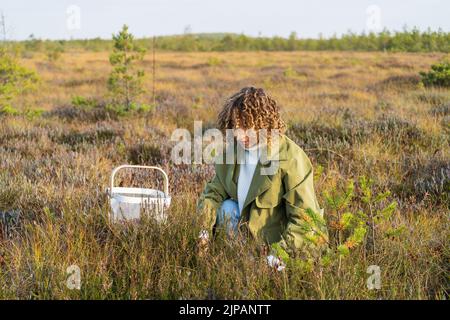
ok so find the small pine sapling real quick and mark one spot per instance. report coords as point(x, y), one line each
point(125, 82)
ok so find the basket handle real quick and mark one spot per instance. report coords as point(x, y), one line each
point(166, 179)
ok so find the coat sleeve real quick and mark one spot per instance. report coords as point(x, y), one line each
point(305, 232)
point(210, 200)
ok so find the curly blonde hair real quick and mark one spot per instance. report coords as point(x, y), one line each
point(251, 108)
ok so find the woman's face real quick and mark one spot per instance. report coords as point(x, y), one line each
point(246, 137)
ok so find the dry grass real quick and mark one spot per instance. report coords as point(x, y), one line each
point(354, 113)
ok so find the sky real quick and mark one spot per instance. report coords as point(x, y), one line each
point(80, 19)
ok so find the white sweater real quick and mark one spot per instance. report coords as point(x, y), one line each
point(246, 172)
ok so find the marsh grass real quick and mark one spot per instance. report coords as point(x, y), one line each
point(54, 169)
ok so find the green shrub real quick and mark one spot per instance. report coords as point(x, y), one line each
point(32, 113)
point(14, 80)
point(8, 110)
point(133, 108)
point(344, 229)
point(214, 61)
point(439, 75)
point(351, 228)
point(79, 101)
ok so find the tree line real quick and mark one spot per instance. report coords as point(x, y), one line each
point(412, 40)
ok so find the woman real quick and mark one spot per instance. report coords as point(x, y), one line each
point(266, 195)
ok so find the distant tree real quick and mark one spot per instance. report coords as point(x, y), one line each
point(227, 43)
point(125, 81)
point(187, 42)
point(292, 41)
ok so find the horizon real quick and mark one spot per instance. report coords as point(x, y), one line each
point(206, 34)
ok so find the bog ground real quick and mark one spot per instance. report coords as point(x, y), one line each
point(355, 114)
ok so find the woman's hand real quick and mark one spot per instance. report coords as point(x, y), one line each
point(275, 263)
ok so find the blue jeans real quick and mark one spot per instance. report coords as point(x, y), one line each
point(228, 216)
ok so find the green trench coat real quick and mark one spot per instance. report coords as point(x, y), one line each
point(275, 208)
